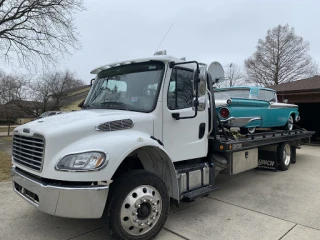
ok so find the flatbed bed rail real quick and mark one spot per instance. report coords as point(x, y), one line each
point(221, 144)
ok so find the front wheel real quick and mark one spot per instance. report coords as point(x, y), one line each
point(138, 206)
point(289, 124)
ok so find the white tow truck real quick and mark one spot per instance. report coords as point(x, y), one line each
point(147, 133)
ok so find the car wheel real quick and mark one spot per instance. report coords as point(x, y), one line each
point(250, 130)
point(138, 206)
point(289, 124)
point(284, 156)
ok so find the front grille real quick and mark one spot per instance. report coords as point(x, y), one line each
point(28, 151)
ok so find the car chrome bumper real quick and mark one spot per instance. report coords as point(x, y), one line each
point(65, 201)
point(240, 121)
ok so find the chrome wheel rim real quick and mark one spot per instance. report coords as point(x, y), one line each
point(286, 154)
point(141, 209)
point(290, 123)
point(251, 129)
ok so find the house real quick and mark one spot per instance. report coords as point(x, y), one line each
point(23, 111)
point(306, 94)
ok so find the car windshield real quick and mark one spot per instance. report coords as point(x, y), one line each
point(132, 87)
point(236, 93)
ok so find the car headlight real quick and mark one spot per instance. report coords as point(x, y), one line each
point(82, 162)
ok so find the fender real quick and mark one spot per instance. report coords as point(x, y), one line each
point(117, 145)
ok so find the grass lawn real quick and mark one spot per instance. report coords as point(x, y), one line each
point(8, 138)
point(5, 128)
point(5, 166)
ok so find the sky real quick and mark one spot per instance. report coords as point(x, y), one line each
point(206, 31)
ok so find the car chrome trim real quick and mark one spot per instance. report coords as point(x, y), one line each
point(282, 106)
point(85, 201)
point(239, 121)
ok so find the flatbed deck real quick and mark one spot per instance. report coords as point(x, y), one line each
point(221, 144)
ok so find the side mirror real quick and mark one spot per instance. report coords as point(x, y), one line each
point(202, 88)
point(195, 80)
point(200, 81)
point(91, 81)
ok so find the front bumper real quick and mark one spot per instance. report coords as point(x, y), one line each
point(86, 201)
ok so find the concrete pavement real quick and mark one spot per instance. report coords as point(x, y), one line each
point(251, 205)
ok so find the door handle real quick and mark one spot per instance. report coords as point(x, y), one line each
point(176, 116)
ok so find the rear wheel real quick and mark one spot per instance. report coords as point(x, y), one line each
point(138, 206)
point(284, 156)
point(249, 130)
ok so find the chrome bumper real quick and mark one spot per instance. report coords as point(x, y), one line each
point(239, 121)
point(64, 201)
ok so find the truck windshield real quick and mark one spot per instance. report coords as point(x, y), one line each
point(132, 87)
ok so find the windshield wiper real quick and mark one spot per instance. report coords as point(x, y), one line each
point(121, 104)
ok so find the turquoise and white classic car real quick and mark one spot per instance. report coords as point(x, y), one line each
point(254, 107)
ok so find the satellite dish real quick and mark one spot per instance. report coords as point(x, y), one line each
point(216, 71)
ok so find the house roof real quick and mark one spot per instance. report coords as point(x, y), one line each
point(308, 84)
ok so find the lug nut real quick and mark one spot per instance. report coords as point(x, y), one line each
point(141, 224)
point(138, 205)
point(153, 218)
point(134, 213)
point(135, 220)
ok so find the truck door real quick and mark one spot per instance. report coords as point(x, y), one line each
point(184, 138)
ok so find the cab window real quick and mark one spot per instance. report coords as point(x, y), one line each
point(180, 91)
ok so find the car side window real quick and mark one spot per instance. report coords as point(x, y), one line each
point(180, 92)
point(262, 95)
point(270, 96)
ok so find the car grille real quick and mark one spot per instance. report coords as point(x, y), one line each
point(28, 151)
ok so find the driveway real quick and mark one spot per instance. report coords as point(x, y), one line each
point(251, 205)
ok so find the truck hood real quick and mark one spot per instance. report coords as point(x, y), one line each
point(83, 122)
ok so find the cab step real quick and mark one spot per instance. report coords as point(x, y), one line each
point(200, 192)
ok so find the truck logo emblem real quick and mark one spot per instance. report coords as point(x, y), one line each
point(26, 130)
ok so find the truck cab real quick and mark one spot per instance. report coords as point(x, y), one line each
point(147, 133)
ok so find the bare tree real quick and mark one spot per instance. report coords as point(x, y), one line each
point(281, 57)
point(11, 87)
point(234, 75)
point(52, 88)
point(38, 29)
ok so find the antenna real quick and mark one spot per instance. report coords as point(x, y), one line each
point(164, 36)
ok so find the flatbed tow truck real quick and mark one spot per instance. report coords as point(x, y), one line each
point(147, 133)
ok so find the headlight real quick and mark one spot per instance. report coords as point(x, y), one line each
point(82, 162)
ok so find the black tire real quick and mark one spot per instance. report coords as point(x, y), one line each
point(283, 161)
point(120, 190)
point(246, 131)
point(293, 155)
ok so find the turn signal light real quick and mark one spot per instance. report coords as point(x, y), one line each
point(224, 112)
